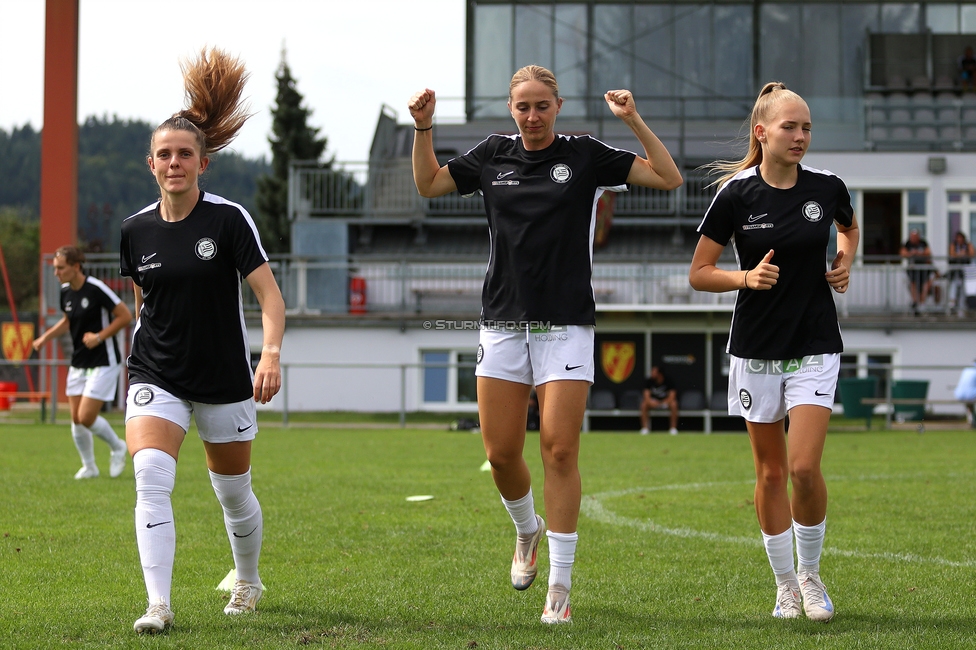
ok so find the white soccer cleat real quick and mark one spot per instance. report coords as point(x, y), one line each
point(557, 606)
point(525, 564)
point(673, 432)
point(644, 431)
point(787, 602)
point(816, 603)
point(86, 472)
point(244, 598)
point(156, 619)
point(117, 464)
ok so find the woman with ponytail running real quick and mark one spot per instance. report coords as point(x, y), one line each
point(187, 254)
point(785, 342)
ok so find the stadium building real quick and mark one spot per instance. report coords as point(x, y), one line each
point(383, 286)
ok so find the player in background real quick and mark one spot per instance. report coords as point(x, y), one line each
point(538, 310)
point(785, 341)
point(187, 255)
point(94, 315)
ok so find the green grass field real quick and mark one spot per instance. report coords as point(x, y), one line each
point(669, 553)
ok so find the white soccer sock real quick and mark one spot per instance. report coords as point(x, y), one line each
point(522, 512)
point(155, 531)
point(243, 520)
point(83, 442)
point(779, 550)
point(562, 554)
point(809, 545)
point(101, 428)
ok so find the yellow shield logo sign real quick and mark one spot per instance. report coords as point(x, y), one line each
point(617, 359)
point(17, 341)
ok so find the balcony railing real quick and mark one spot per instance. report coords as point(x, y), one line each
point(384, 192)
point(419, 287)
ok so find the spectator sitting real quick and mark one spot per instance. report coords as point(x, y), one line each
point(532, 422)
point(658, 395)
point(920, 270)
point(966, 393)
point(966, 65)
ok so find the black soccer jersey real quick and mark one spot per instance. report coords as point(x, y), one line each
point(190, 337)
point(541, 208)
point(89, 309)
point(797, 317)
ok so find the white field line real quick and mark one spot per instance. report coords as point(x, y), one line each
point(592, 506)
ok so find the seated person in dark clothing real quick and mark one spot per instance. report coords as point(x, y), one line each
point(967, 69)
point(920, 270)
point(658, 395)
point(532, 419)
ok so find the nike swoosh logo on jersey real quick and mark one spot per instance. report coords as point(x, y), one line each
point(569, 367)
point(502, 175)
point(751, 218)
point(146, 258)
point(240, 430)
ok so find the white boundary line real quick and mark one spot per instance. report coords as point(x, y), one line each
point(593, 507)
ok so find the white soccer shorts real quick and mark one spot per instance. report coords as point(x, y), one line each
point(535, 356)
point(98, 383)
point(217, 423)
point(762, 390)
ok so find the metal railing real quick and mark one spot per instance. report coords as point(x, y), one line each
point(414, 287)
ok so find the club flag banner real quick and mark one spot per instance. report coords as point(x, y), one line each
point(17, 340)
point(617, 360)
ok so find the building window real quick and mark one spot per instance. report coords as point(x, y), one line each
point(961, 214)
point(448, 378)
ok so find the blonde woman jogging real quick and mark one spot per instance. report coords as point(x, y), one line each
point(785, 342)
point(538, 309)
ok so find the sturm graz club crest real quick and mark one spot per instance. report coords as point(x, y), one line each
point(481, 353)
point(812, 211)
point(745, 398)
point(560, 173)
point(143, 396)
point(206, 248)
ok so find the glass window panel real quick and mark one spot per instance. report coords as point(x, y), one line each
point(613, 52)
point(732, 54)
point(875, 360)
point(942, 19)
point(955, 223)
point(972, 198)
point(967, 16)
point(901, 18)
point(492, 60)
point(780, 32)
point(856, 21)
point(467, 384)
point(972, 227)
point(955, 197)
point(693, 60)
point(570, 64)
point(916, 203)
point(533, 36)
point(654, 74)
point(822, 44)
point(435, 378)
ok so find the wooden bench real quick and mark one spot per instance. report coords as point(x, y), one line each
point(910, 401)
point(31, 395)
point(705, 414)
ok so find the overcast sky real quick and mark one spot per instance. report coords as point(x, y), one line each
point(350, 57)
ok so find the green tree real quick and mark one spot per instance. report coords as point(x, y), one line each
point(21, 237)
point(291, 139)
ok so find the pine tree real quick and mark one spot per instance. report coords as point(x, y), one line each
point(291, 139)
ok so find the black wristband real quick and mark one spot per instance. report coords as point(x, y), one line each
point(427, 129)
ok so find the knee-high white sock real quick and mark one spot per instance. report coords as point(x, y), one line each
point(101, 428)
point(83, 442)
point(809, 545)
point(522, 512)
point(779, 550)
point(155, 531)
point(243, 520)
point(562, 554)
